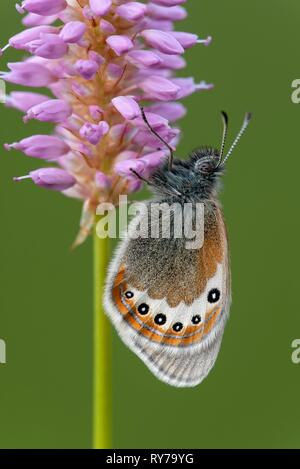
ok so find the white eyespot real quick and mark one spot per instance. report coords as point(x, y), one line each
point(196, 319)
point(177, 327)
point(160, 319)
point(129, 294)
point(213, 295)
point(143, 309)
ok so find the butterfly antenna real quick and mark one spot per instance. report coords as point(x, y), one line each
point(141, 177)
point(224, 136)
point(245, 124)
point(159, 137)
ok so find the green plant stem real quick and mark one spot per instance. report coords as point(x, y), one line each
point(102, 406)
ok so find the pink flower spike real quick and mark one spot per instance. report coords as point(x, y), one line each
point(23, 100)
point(100, 63)
point(54, 110)
point(100, 7)
point(160, 88)
point(28, 74)
point(120, 44)
point(162, 41)
point(132, 11)
point(175, 13)
point(73, 31)
point(42, 7)
point(46, 147)
point(93, 133)
point(87, 68)
point(127, 107)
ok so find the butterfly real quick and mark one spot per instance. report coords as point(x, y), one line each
point(170, 303)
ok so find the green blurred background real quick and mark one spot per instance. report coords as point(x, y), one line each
point(251, 398)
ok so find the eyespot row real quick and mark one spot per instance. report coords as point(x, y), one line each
point(160, 319)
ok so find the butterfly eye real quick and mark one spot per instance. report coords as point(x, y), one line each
point(129, 294)
point(205, 168)
point(143, 309)
point(160, 319)
point(213, 296)
point(177, 327)
point(196, 319)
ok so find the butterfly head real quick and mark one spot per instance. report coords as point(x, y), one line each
point(205, 162)
point(197, 177)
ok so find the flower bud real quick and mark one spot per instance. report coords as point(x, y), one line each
point(24, 100)
point(20, 40)
point(162, 41)
point(173, 13)
point(127, 106)
point(87, 68)
point(160, 88)
point(44, 7)
point(28, 74)
point(49, 46)
point(50, 178)
point(144, 58)
point(100, 7)
point(120, 44)
point(72, 32)
point(46, 147)
point(54, 110)
point(124, 168)
point(131, 11)
point(93, 133)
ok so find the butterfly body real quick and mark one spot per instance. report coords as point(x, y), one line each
point(169, 302)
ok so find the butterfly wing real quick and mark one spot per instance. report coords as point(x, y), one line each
point(169, 304)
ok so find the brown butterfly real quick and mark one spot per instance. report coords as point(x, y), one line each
point(169, 303)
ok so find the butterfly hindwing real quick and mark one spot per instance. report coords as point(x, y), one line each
point(169, 304)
